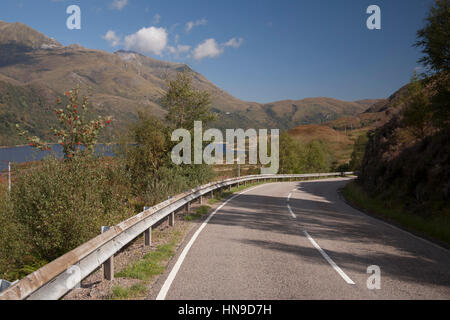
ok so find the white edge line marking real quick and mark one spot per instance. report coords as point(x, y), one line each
point(289, 207)
point(173, 273)
point(330, 261)
point(292, 212)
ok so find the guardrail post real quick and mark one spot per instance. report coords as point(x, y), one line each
point(229, 187)
point(200, 200)
point(172, 219)
point(108, 265)
point(108, 269)
point(188, 207)
point(212, 194)
point(148, 237)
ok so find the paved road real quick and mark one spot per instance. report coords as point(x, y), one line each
point(255, 247)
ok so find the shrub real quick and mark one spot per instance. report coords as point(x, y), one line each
point(154, 175)
point(12, 242)
point(298, 157)
point(61, 205)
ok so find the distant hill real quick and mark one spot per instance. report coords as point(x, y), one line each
point(35, 69)
point(339, 135)
point(337, 143)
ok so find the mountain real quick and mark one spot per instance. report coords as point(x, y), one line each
point(35, 70)
point(22, 35)
point(339, 135)
point(379, 112)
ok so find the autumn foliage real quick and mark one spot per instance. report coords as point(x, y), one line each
point(77, 134)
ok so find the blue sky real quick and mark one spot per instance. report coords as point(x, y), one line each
point(257, 50)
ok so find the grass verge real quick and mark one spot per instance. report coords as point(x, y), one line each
point(436, 228)
point(135, 291)
point(153, 262)
point(199, 212)
point(221, 196)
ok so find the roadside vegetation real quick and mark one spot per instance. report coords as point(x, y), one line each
point(299, 157)
point(403, 166)
point(392, 210)
point(57, 204)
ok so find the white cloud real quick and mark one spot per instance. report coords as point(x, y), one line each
point(119, 4)
point(179, 49)
point(192, 24)
point(207, 49)
point(112, 38)
point(156, 18)
point(235, 43)
point(147, 40)
point(211, 49)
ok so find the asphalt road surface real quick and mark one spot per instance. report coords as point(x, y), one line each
point(300, 240)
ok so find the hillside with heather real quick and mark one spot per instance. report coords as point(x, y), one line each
point(406, 165)
point(409, 160)
point(339, 136)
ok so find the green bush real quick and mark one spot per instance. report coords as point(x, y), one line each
point(358, 152)
point(62, 204)
point(298, 157)
point(12, 242)
point(154, 175)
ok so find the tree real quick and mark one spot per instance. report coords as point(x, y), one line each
point(151, 148)
point(434, 38)
point(316, 157)
point(417, 113)
point(289, 154)
point(76, 134)
point(358, 152)
point(186, 105)
point(152, 171)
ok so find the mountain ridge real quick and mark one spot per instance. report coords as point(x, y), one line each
point(124, 82)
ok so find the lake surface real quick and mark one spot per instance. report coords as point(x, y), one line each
point(26, 153)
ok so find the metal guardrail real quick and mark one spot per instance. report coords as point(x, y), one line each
point(60, 276)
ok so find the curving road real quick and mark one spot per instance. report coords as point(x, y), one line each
point(300, 240)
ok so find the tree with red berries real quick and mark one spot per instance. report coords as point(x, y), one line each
point(77, 135)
